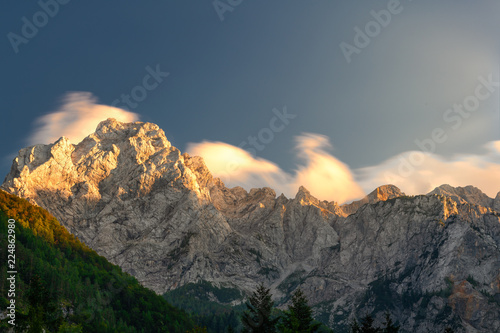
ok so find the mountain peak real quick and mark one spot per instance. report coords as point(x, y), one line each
point(109, 123)
point(305, 197)
point(496, 203)
point(381, 193)
point(467, 194)
point(113, 129)
point(303, 190)
point(384, 192)
point(134, 198)
point(134, 155)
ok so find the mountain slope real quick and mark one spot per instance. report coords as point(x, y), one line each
point(431, 260)
point(467, 194)
point(82, 288)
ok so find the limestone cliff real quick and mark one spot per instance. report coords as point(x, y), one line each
point(431, 260)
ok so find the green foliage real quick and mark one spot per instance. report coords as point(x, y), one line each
point(381, 293)
point(367, 325)
point(291, 282)
point(64, 286)
point(183, 247)
point(57, 272)
point(204, 291)
point(354, 327)
point(198, 329)
point(471, 280)
point(258, 255)
point(292, 325)
point(70, 328)
point(491, 298)
point(269, 272)
point(299, 318)
point(390, 327)
point(258, 317)
point(41, 307)
point(202, 299)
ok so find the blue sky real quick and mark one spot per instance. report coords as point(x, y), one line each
point(225, 77)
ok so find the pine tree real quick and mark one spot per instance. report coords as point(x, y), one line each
point(449, 330)
point(257, 318)
point(354, 327)
point(69, 328)
point(198, 329)
point(367, 325)
point(389, 325)
point(299, 318)
point(38, 298)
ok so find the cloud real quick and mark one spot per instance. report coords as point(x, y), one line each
point(415, 172)
point(324, 175)
point(77, 117)
point(328, 178)
point(237, 167)
point(321, 173)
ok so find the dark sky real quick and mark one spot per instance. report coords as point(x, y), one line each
point(226, 76)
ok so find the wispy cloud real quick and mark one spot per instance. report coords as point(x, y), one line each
point(431, 170)
point(318, 170)
point(324, 175)
point(77, 117)
point(330, 179)
point(237, 167)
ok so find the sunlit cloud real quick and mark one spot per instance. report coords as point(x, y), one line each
point(321, 173)
point(236, 167)
point(317, 169)
point(77, 117)
point(328, 178)
point(416, 172)
point(324, 175)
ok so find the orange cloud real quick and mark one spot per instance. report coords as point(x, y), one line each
point(321, 173)
point(236, 167)
point(415, 172)
point(77, 117)
point(328, 178)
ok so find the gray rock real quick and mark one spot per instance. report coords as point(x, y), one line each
point(467, 194)
point(431, 260)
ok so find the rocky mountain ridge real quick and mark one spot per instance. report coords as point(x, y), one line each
point(129, 194)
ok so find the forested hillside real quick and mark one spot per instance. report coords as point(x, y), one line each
point(64, 286)
point(211, 307)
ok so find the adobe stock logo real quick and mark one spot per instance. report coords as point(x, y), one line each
point(454, 116)
point(266, 134)
point(138, 93)
point(373, 28)
point(222, 6)
point(278, 122)
point(30, 28)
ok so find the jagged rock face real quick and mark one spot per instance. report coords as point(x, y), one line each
point(382, 193)
point(405, 250)
point(160, 215)
point(468, 194)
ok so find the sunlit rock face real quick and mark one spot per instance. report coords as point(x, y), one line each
point(468, 194)
point(431, 260)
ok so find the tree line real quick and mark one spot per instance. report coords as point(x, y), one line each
point(64, 286)
point(261, 316)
